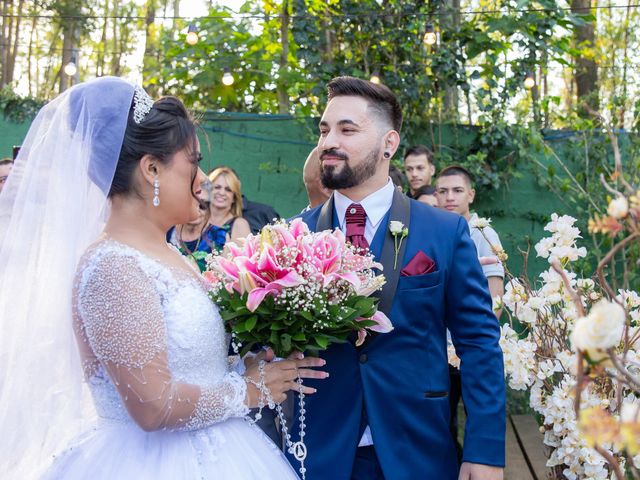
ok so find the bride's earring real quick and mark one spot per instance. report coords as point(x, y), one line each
point(156, 191)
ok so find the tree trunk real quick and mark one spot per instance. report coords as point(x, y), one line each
point(281, 85)
point(34, 21)
point(149, 59)
point(586, 69)
point(5, 41)
point(100, 61)
point(67, 51)
point(11, 60)
point(115, 59)
point(625, 67)
point(176, 14)
point(450, 21)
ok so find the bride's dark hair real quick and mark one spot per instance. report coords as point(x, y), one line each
point(165, 130)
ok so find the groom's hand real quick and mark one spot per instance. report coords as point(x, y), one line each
point(476, 471)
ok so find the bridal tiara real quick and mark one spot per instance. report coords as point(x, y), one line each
point(142, 104)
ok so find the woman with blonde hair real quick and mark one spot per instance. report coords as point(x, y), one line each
point(220, 219)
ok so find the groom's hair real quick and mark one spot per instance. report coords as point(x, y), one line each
point(383, 101)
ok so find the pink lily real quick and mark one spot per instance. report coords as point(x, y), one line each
point(384, 324)
point(270, 278)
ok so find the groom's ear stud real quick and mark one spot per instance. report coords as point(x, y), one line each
point(387, 155)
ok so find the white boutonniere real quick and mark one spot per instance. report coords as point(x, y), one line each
point(397, 229)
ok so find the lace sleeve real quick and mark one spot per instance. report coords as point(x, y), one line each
point(122, 316)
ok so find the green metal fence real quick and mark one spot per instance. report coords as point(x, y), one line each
point(268, 152)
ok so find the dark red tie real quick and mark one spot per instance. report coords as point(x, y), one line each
point(356, 219)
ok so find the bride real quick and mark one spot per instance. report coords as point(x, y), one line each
point(134, 321)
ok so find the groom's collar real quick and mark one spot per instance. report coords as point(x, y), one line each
point(376, 204)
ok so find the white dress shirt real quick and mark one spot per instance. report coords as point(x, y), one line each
point(376, 205)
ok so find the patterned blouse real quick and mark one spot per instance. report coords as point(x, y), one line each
point(212, 239)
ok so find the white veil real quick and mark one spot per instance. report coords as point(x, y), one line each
point(53, 206)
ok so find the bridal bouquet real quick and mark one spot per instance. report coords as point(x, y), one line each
point(295, 290)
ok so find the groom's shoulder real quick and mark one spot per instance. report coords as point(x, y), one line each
point(309, 216)
point(430, 217)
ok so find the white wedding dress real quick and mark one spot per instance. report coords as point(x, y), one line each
point(154, 348)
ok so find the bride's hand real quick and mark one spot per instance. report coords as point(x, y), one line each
point(251, 359)
point(281, 377)
point(267, 355)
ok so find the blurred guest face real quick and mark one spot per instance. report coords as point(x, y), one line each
point(418, 170)
point(428, 199)
point(316, 192)
point(455, 194)
point(4, 174)
point(222, 194)
point(204, 195)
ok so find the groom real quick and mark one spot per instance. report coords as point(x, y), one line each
point(383, 413)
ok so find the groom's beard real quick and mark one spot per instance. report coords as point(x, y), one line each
point(336, 178)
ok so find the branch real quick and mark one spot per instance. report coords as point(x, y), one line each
point(579, 377)
point(615, 465)
point(608, 187)
point(627, 376)
point(607, 258)
point(575, 298)
point(572, 177)
point(617, 157)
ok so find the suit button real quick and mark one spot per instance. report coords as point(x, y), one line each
point(363, 358)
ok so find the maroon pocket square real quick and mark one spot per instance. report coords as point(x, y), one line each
point(420, 264)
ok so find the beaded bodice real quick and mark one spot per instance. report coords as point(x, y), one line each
point(143, 322)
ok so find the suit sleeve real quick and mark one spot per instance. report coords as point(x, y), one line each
point(476, 332)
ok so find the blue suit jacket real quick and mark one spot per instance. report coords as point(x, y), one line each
point(398, 382)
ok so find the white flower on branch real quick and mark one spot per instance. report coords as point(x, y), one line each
point(618, 207)
point(630, 298)
point(601, 329)
point(630, 410)
point(479, 222)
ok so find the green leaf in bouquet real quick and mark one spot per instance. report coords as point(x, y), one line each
point(267, 307)
point(250, 323)
point(285, 341)
point(237, 303)
point(347, 313)
point(281, 315)
point(299, 337)
point(231, 314)
point(275, 326)
point(306, 315)
point(367, 323)
point(322, 341)
point(364, 304)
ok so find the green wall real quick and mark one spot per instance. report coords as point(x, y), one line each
point(268, 152)
point(11, 134)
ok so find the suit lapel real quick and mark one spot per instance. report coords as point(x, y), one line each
point(325, 220)
point(400, 212)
